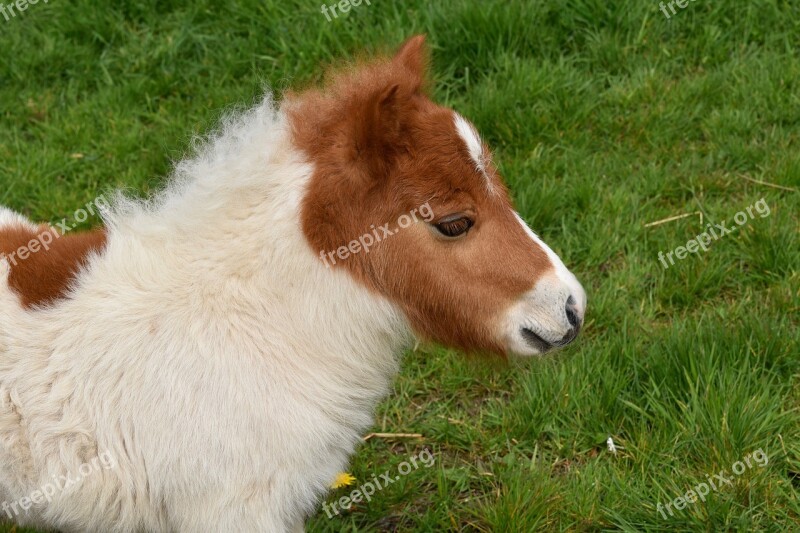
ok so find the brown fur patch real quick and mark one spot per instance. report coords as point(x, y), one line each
point(42, 277)
point(381, 148)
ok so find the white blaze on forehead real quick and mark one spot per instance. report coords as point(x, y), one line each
point(563, 273)
point(469, 135)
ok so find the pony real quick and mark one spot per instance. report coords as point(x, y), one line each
point(209, 359)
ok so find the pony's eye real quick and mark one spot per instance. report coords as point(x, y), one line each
point(454, 227)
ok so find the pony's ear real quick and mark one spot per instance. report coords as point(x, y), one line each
point(378, 135)
point(379, 119)
point(414, 58)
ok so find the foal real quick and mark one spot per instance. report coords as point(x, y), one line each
point(225, 344)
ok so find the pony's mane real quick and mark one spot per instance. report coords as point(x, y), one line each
point(221, 158)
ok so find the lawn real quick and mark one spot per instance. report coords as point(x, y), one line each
point(604, 117)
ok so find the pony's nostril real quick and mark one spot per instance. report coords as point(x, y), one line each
point(572, 316)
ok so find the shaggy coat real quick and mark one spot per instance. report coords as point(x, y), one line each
point(199, 346)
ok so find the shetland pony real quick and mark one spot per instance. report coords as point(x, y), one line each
point(225, 343)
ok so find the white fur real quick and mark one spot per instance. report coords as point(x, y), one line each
point(469, 135)
point(11, 218)
point(543, 308)
point(564, 275)
point(227, 372)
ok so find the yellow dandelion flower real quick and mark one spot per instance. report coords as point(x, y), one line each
point(343, 479)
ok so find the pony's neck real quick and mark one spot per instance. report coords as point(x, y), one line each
point(241, 231)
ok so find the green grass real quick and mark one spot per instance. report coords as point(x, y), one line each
point(604, 116)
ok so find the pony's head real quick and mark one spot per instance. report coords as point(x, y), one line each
point(405, 198)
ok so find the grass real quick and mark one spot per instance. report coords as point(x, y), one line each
point(604, 116)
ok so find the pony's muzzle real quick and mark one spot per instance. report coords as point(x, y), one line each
point(574, 320)
point(545, 318)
